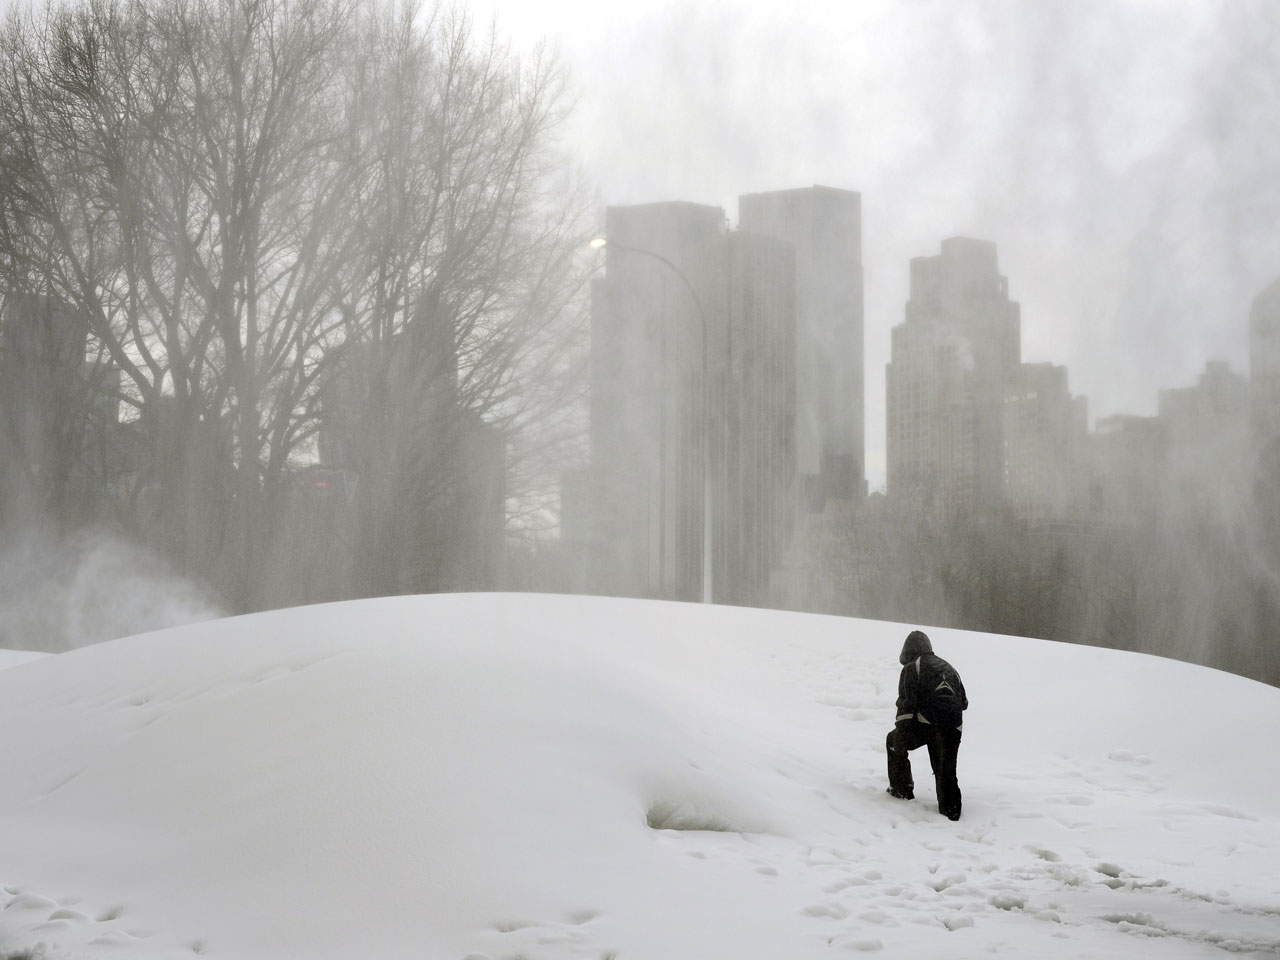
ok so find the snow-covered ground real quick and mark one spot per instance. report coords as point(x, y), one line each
point(568, 778)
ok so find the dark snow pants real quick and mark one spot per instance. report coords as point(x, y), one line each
point(944, 746)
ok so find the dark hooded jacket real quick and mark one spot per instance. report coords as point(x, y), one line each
point(929, 688)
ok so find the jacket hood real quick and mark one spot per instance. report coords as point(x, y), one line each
point(917, 643)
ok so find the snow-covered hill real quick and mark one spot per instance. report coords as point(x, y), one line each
point(568, 778)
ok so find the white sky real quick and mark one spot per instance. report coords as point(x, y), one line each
point(1122, 155)
point(482, 777)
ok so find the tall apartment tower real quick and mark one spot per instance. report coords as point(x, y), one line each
point(648, 427)
point(1125, 453)
point(748, 284)
point(1264, 364)
point(825, 227)
point(1211, 409)
point(953, 361)
point(1264, 409)
point(455, 516)
point(673, 272)
point(1045, 435)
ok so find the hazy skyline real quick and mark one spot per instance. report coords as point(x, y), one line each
point(1122, 155)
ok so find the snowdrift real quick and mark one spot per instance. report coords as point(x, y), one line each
point(502, 776)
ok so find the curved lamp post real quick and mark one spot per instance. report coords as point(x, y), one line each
point(599, 243)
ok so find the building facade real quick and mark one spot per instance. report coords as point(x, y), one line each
point(647, 429)
point(1217, 404)
point(824, 225)
point(748, 286)
point(953, 360)
point(1264, 365)
point(391, 419)
point(1126, 454)
point(58, 406)
point(1045, 431)
point(1264, 414)
point(692, 374)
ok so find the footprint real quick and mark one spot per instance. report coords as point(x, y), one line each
point(1074, 799)
point(113, 938)
point(73, 916)
point(1126, 756)
point(59, 926)
point(30, 901)
point(511, 926)
point(945, 882)
point(1230, 813)
point(1007, 901)
point(877, 917)
point(831, 910)
point(863, 945)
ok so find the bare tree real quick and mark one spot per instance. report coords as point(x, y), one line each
point(246, 202)
point(461, 332)
point(176, 181)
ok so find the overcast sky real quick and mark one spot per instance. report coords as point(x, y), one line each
point(1124, 156)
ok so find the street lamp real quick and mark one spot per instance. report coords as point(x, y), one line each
point(599, 243)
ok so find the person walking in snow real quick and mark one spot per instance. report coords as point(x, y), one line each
point(931, 701)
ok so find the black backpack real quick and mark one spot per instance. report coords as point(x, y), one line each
point(941, 694)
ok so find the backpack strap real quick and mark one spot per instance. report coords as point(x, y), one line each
point(920, 716)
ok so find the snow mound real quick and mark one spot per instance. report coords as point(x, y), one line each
point(507, 776)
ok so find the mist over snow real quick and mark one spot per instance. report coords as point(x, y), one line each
point(554, 778)
point(58, 593)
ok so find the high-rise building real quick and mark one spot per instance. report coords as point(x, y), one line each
point(1045, 430)
point(825, 227)
point(647, 422)
point(747, 283)
point(1126, 454)
point(1215, 405)
point(953, 361)
point(394, 406)
point(1264, 364)
point(1264, 404)
point(663, 411)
